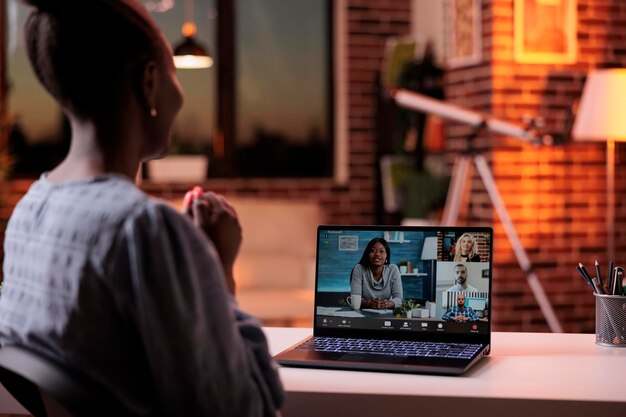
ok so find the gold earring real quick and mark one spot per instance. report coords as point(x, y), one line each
point(153, 112)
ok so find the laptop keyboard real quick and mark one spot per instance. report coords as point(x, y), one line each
point(392, 347)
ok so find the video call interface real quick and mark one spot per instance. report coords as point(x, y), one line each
point(426, 281)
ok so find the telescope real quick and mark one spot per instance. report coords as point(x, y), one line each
point(460, 174)
point(419, 102)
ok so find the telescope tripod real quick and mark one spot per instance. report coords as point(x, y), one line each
point(460, 174)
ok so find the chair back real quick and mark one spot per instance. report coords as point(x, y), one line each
point(47, 389)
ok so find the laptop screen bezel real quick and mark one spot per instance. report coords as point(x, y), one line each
point(483, 338)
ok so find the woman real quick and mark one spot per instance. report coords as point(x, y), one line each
point(375, 278)
point(112, 284)
point(466, 249)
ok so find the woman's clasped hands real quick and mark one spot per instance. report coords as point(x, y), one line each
point(218, 219)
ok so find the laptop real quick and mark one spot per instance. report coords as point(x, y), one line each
point(420, 310)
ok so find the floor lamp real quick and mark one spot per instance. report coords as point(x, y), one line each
point(601, 117)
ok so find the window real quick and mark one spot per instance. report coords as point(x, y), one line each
point(265, 109)
point(283, 83)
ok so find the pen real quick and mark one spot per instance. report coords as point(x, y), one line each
point(583, 273)
point(598, 273)
point(609, 278)
point(617, 281)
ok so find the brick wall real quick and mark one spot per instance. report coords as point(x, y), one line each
point(369, 23)
point(555, 195)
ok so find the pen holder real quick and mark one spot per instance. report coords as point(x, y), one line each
point(610, 320)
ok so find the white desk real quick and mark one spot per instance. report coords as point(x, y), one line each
point(527, 374)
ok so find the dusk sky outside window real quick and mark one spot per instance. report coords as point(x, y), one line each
point(282, 73)
point(281, 78)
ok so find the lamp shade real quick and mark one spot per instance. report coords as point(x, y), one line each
point(429, 250)
point(190, 54)
point(600, 113)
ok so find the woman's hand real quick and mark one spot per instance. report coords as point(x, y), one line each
point(218, 219)
point(379, 304)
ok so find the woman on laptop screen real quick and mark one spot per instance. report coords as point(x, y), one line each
point(466, 249)
point(375, 278)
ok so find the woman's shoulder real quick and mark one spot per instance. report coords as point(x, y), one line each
point(155, 215)
point(88, 206)
point(108, 205)
point(392, 268)
point(158, 229)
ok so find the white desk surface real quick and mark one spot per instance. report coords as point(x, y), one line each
point(527, 374)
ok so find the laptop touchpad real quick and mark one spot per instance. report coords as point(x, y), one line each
point(371, 358)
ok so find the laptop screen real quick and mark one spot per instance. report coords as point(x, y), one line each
point(413, 279)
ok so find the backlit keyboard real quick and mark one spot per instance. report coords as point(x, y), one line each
point(392, 347)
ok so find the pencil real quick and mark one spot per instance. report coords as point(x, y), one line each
point(598, 273)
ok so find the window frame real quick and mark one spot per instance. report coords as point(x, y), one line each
point(223, 161)
point(223, 148)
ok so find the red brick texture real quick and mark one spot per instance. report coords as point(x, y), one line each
point(369, 24)
point(555, 195)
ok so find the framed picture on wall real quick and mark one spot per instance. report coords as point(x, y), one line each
point(349, 243)
point(463, 36)
point(545, 31)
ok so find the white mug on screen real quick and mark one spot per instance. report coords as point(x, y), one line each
point(355, 301)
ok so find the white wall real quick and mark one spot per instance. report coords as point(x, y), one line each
point(428, 23)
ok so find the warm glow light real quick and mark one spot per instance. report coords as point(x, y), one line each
point(189, 29)
point(600, 114)
point(193, 62)
point(600, 117)
point(189, 53)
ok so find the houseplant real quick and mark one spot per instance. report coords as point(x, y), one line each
point(404, 310)
point(402, 266)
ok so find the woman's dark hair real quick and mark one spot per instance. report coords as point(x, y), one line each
point(87, 52)
point(365, 259)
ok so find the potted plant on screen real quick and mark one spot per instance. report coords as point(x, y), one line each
point(402, 266)
point(404, 310)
